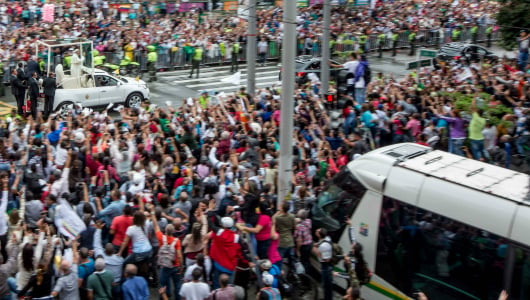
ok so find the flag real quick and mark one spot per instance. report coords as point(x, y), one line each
point(234, 79)
point(464, 75)
point(48, 11)
point(68, 222)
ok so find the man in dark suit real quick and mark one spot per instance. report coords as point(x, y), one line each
point(33, 66)
point(33, 93)
point(49, 84)
point(18, 89)
point(20, 72)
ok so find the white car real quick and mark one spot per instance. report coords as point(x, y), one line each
point(99, 88)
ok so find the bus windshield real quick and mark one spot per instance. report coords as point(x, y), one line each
point(337, 202)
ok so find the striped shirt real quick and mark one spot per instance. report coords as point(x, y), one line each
point(303, 231)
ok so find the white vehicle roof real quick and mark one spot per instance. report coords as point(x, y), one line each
point(476, 193)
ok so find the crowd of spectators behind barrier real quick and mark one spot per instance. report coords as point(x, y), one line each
point(139, 181)
point(119, 33)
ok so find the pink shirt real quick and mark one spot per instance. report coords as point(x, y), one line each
point(276, 116)
point(414, 127)
point(273, 254)
point(265, 232)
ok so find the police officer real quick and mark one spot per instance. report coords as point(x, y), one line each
point(395, 38)
point(363, 39)
point(412, 42)
point(235, 56)
point(474, 33)
point(455, 35)
point(489, 31)
point(381, 39)
point(196, 60)
point(151, 62)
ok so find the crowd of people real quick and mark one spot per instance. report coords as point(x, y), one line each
point(183, 197)
point(113, 28)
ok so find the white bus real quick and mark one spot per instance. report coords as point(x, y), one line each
point(431, 221)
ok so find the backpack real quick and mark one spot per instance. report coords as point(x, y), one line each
point(367, 75)
point(166, 253)
point(336, 253)
point(272, 293)
point(366, 275)
point(285, 288)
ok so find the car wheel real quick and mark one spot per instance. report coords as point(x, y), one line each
point(64, 108)
point(134, 100)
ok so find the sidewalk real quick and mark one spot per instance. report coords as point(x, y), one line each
point(402, 57)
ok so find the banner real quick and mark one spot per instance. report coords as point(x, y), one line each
point(234, 79)
point(242, 9)
point(68, 222)
point(302, 3)
point(48, 12)
point(230, 5)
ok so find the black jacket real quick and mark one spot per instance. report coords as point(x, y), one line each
point(33, 66)
point(33, 88)
point(17, 87)
point(21, 74)
point(49, 84)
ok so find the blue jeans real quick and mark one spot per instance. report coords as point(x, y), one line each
point(521, 142)
point(349, 124)
point(327, 281)
point(135, 258)
point(455, 146)
point(287, 252)
point(263, 248)
point(166, 276)
point(261, 59)
point(523, 60)
point(217, 272)
point(477, 149)
point(360, 95)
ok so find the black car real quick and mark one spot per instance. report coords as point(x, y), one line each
point(469, 52)
point(306, 64)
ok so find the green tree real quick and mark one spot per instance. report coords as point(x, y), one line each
point(512, 17)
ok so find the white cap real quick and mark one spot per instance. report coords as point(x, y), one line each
point(79, 137)
point(137, 178)
point(227, 222)
point(267, 278)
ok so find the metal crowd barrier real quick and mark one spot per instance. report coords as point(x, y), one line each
point(175, 58)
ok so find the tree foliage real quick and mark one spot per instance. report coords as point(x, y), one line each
point(512, 17)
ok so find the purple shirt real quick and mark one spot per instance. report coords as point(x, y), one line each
point(457, 130)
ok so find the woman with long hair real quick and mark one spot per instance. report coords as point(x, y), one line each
point(193, 242)
point(137, 233)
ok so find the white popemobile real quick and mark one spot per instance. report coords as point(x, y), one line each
point(91, 87)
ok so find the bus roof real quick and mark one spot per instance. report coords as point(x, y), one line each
point(471, 173)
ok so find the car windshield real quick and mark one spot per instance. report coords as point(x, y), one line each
point(299, 65)
point(338, 201)
point(451, 51)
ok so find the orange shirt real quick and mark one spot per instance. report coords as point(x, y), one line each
point(169, 241)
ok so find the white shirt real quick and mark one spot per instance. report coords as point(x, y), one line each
point(351, 66)
point(60, 156)
point(3, 216)
point(325, 248)
point(195, 290)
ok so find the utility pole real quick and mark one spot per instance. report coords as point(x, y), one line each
point(251, 48)
point(287, 104)
point(324, 66)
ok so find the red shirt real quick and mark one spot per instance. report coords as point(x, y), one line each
point(119, 225)
point(265, 232)
point(169, 239)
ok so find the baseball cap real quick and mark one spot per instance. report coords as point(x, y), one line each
point(267, 278)
point(227, 222)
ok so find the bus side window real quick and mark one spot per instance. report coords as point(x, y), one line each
point(445, 259)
